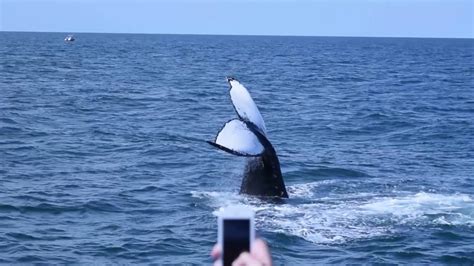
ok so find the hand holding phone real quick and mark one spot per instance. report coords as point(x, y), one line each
point(235, 232)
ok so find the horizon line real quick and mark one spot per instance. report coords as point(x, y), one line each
point(228, 34)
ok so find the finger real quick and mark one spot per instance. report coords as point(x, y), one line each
point(216, 251)
point(245, 259)
point(261, 252)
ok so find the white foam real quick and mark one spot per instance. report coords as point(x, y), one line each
point(308, 189)
point(350, 217)
point(448, 209)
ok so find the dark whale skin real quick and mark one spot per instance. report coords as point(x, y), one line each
point(262, 174)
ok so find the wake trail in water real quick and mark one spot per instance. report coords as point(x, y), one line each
point(351, 217)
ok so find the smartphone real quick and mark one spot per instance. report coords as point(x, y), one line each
point(235, 232)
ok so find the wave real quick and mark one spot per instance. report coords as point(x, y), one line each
point(327, 172)
point(8, 121)
point(49, 208)
point(349, 217)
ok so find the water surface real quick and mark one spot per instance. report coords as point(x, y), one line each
point(103, 159)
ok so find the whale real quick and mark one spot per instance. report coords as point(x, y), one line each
point(246, 136)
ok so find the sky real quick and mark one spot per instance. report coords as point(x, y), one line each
point(371, 18)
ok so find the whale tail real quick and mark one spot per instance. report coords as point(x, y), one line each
point(242, 136)
point(246, 136)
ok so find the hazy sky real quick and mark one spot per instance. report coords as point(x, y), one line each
point(409, 18)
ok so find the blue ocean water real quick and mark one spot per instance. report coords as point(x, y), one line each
point(103, 159)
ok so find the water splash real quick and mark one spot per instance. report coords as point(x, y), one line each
point(349, 218)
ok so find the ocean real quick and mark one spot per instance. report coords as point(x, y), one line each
point(103, 158)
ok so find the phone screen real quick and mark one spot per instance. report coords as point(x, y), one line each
point(236, 239)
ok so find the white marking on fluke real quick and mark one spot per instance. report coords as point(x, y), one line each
point(244, 105)
point(236, 136)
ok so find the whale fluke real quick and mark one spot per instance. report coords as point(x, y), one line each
point(246, 136)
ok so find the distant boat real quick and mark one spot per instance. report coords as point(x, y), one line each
point(69, 38)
